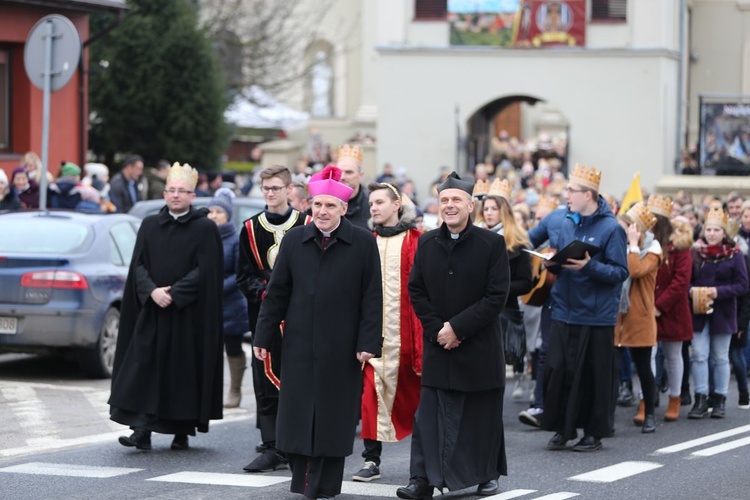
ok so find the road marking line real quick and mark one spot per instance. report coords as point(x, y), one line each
point(247, 480)
point(59, 444)
point(701, 441)
point(507, 495)
point(70, 470)
point(558, 496)
point(616, 472)
point(38, 385)
point(33, 416)
point(715, 450)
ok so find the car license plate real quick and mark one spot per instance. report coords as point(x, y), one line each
point(8, 325)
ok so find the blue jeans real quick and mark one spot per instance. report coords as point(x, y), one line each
point(738, 367)
point(713, 348)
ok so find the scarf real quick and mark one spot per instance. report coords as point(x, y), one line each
point(625, 295)
point(389, 231)
point(715, 253)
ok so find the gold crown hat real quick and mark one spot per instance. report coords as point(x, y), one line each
point(184, 172)
point(481, 188)
point(501, 188)
point(660, 205)
point(717, 217)
point(353, 152)
point(586, 177)
point(547, 202)
point(642, 216)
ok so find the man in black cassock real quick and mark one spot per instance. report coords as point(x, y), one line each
point(458, 287)
point(168, 369)
point(260, 239)
point(326, 287)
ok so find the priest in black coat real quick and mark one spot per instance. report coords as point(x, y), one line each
point(458, 287)
point(326, 287)
point(168, 369)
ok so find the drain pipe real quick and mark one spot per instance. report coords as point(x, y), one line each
point(680, 87)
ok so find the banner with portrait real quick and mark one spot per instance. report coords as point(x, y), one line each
point(544, 23)
point(725, 137)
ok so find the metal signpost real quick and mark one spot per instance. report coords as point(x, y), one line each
point(51, 55)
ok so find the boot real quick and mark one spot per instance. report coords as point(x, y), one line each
point(649, 424)
point(641, 415)
point(626, 397)
point(685, 399)
point(673, 409)
point(236, 372)
point(700, 407)
point(720, 406)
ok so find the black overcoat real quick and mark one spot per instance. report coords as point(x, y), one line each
point(331, 304)
point(168, 362)
point(465, 283)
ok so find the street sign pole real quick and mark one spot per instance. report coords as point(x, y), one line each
point(48, 38)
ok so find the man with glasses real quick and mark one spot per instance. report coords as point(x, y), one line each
point(260, 240)
point(579, 369)
point(168, 367)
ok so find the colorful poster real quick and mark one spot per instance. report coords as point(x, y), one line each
point(482, 22)
point(544, 23)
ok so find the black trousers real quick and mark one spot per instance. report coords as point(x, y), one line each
point(642, 360)
point(316, 476)
point(373, 450)
point(266, 398)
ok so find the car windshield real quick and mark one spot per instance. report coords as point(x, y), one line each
point(39, 235)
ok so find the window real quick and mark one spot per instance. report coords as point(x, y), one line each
point(609, 10)
point(123, 242)
point(430, 9)
point(4, 99)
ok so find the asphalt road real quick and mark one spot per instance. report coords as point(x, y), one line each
point(56, 442)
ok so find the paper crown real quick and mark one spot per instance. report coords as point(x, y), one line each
point(353, 152)
point(702, 303)
point(184, 172)
point(500, 188)
point(586, 177)
point(717, 217)
point(453, 181)
point(660, 205)
point(547, 202)
point(642, 216)
point(327, 182)
point(481, 188)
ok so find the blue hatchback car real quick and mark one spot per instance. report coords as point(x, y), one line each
point(62, 276)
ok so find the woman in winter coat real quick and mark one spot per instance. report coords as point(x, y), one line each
point(674, 320)
point(498, 217)
point(719, 269)
point(235, 305)
point(636, 324)
point(8, 198)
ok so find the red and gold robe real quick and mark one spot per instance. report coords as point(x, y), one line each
point(392, 383)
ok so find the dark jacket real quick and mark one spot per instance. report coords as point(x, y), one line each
point(10, 201)
point(465, 284)
point(331, 302)
point(358, 212)
point(548, 228)
point(729, 276)
point(65, 193)
point(119, 194)
point(235, 305)
point(29, 198)
point(591, 296)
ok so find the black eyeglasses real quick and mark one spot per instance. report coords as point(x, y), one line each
point(571, 190)
point(275, 189)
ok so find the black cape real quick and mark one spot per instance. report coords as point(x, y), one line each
point(168, 371)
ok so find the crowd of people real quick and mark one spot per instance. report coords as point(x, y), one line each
point(360, 316)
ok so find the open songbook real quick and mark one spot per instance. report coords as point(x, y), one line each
point(575, 250)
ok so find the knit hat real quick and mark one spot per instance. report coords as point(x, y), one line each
point(327, 182)
point(70, 169)
point(223, 199)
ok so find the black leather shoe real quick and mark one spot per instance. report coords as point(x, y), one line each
point(415, 491)
point(649, 425)
point(140, 439)
point(268, 461)
point(488, 488)
point(557, 442)
point(588, 443)
point(180, 442)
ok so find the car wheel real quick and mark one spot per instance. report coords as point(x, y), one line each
point(98, 361)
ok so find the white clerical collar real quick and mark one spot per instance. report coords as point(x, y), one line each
point(329, 233)
point(455, 236)
point(177, 216)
